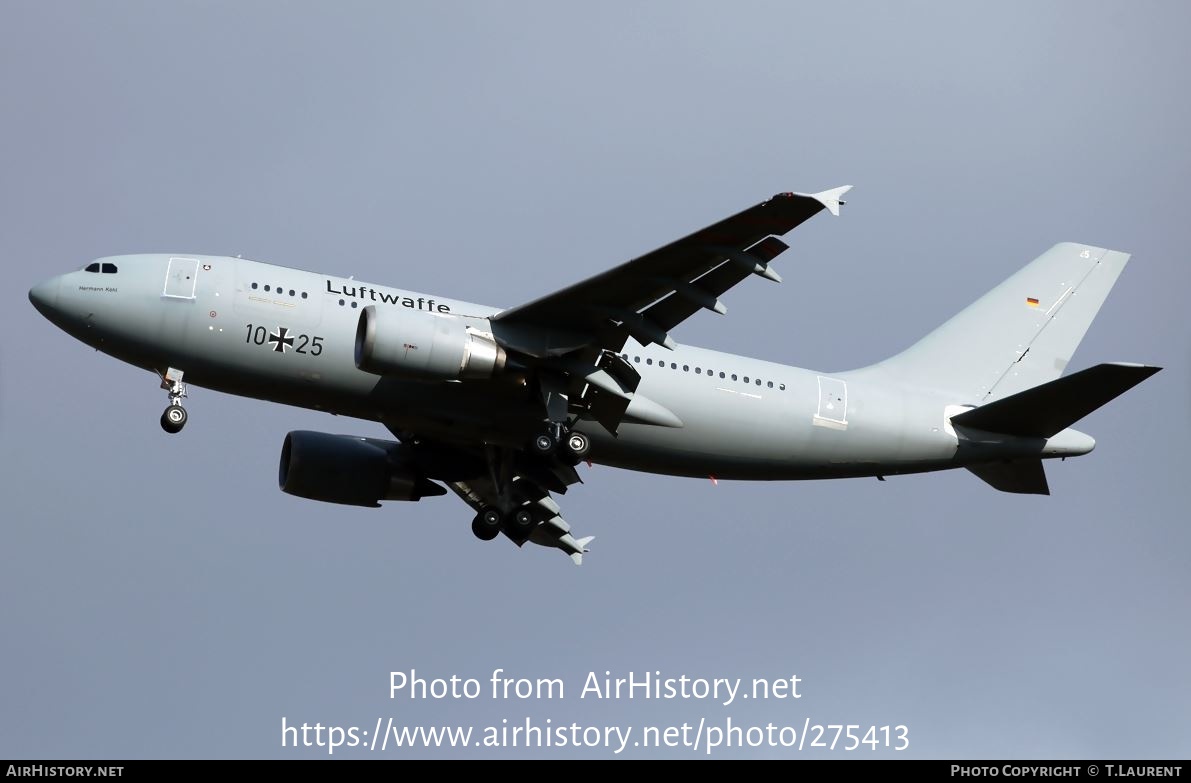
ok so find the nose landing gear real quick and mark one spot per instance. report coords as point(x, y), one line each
point(174, 418)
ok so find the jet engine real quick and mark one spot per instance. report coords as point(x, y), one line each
point(424, 346)
point(349, 470)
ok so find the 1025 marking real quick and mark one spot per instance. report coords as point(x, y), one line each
point(281, 339)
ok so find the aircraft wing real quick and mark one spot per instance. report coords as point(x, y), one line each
point(653, 293)
point(570, 339)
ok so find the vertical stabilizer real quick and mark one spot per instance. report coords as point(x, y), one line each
point(1020, 477)
point(1020, 334)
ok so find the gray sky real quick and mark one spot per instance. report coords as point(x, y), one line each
point(161, 598)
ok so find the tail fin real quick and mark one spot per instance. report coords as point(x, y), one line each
point(1019, 476)
point(1020, 334)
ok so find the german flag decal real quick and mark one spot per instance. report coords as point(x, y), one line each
point(1031, 301)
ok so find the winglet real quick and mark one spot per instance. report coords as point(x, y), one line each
point(831, 198)
point(577, 557)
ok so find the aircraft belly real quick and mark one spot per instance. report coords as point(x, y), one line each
point(489, 411)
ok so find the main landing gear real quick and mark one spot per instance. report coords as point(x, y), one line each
point(559, 438)
point(516, 508)
point(486, 525)
point(517, 524)
point(174, 418)
point(574, 444)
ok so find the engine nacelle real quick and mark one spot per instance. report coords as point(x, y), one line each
point(424, 346)
point(348, 470)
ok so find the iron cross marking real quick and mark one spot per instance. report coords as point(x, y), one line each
point(281, 339)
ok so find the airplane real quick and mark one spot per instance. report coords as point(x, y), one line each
point(501, 406)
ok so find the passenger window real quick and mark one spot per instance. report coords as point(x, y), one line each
point(303, 293)
point(649, 361)
point(686, 368)
point(109, 269)
point(746, 379)
point(759, 382)
point(698, 371)
point(721, 373)
point(266, 288)
point(92, 268)
point(781, 386)
point(770, 384)
point(254, 286)
point(637, 359)
point(733, 376)
point(673, 365)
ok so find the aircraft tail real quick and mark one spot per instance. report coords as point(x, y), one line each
point(1043, 412)
point(1020, 476)
point(1050, 408)
point(1020, 334)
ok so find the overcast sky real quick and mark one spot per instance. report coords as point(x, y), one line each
point(159, 597)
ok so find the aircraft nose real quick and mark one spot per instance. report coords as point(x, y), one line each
point(44, 295)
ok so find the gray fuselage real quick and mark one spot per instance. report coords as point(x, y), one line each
point(286, 335)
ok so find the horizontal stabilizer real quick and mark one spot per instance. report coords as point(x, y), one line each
point(1022, 476)
point(1052, 407)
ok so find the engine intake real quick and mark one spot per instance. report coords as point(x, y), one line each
point(424, 346)
point(348, 470)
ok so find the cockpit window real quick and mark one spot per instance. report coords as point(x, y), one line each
point(109, 269)
point(91, 268)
